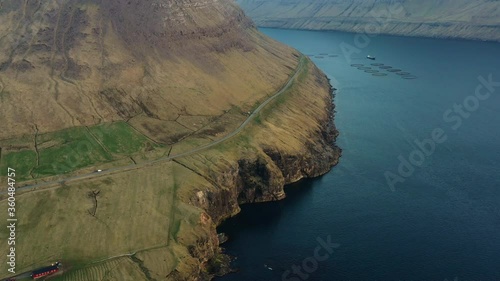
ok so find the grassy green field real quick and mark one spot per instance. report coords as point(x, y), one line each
point(67, 151)
point(76, 148)
point(121, 138)
point(23, 161)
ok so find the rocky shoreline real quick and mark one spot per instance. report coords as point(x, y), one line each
point(461, 19)
point(459, 31)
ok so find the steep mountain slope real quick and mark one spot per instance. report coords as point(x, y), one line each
point(478, 19)
point(74, 63)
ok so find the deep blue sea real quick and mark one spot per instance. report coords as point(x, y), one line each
point(440, 220)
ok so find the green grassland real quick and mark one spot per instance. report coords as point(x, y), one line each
point(72, 149)
point(121, 138)
point(23, 161)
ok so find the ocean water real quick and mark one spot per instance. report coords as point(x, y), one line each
point(440, 217)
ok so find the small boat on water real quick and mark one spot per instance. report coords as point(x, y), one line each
point(370, 57)
point(268, 267)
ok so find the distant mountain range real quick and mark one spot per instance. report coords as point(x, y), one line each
point(476, 19)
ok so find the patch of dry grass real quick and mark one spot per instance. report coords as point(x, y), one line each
point(133, 213)
point(120, 269)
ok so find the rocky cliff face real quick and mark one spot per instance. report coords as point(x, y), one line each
point(262, 177)
point(259, 171)
point(165, 26)
point(479, 19)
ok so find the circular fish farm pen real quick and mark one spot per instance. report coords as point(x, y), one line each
point(364, 68)
point(394, 70)
point(385, 67)
point(402, 73)
point(409, 77)
point(379, 74)
point(357, 65)
point(377, 64)
point(371, 71)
